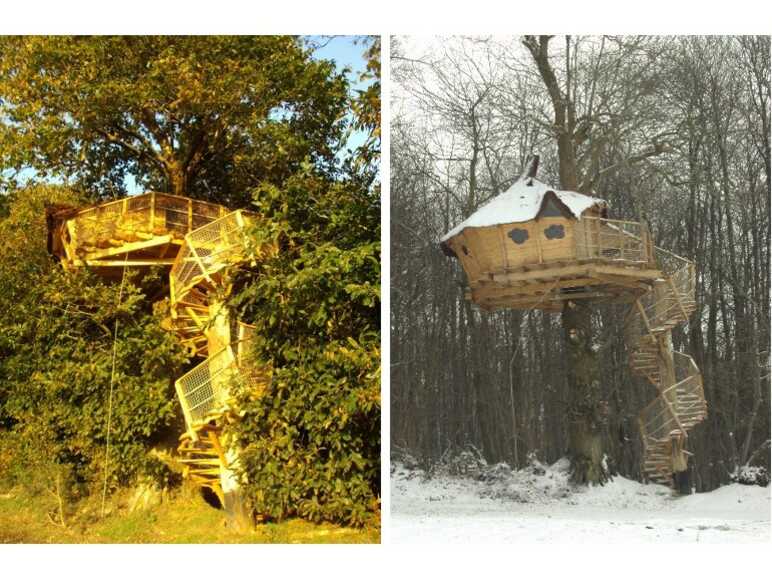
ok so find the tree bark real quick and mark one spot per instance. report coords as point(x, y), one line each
point(178, 181)
point(586, 411)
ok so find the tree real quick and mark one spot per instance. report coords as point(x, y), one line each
point(243, 121)
point(207, 117)
point(574, 130)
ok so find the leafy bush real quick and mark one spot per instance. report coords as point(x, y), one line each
point(311, 442)
point(56, 356)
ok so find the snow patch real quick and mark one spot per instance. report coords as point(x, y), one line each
point(538, 502)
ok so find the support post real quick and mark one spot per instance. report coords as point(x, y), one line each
point(678, 456)
point(152, 213)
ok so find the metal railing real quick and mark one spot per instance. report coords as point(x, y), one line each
point(208, 388)
point(208, 249)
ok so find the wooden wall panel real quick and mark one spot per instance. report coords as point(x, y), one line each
point(518, 255)
point(484, 244)
point(468, 259)
point(555, 249)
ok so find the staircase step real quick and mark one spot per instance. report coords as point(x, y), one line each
point(204, 471)
point(204, 461)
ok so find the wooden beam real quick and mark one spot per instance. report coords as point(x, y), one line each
point(541, 274)
point(187, 304)
point(531, 288)
point(127, 247)
point(152, 212)
point(648, 274)
point(130, 262)
point(198, 321)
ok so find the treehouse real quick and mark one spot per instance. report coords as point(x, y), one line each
point(200, 244)
point(536, 247)
point(139, 231)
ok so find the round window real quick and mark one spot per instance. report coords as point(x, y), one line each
point(555, 231)
point(519, 236)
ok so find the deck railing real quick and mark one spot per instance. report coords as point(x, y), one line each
point(208, 249)
point(613, 240)
point(659, 420)
point(151, 214)
point(680, 406)
point(691, 406)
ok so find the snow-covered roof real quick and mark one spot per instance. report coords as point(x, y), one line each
point(522, 202)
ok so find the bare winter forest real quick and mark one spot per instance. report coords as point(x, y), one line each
point(671, 131)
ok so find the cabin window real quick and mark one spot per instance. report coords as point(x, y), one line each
point(555, 231)
point(519, 236)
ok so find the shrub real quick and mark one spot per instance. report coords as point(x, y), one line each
point(311, 442)
point(750, 475)
point(57, 354)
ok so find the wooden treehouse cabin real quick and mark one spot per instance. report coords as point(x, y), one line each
point(535, 247)
point(199, 243)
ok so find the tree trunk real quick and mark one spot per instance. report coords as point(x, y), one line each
point(178, 181)
point(586, 411)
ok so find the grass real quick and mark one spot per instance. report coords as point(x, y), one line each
point(181, 519)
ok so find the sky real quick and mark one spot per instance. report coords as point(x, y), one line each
point(345, 52)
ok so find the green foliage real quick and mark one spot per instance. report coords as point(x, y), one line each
point(206, 116)
point(367, 117)
point(57, 350)
point(311, 442)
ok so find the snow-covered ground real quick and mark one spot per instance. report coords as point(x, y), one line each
point(537, 503)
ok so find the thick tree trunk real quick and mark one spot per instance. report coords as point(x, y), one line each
point(586, 411)
point(682, 482)
point(178, 180)
point(179, 185)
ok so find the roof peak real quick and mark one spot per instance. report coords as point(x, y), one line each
point(521, 202)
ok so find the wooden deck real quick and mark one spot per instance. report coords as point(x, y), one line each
point(547, 285)
point(140, 231)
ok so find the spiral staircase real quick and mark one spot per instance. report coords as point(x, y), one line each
point(203, 243)
point(680, 402)
point(198, 285)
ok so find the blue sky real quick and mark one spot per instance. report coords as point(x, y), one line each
point(345, 52)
